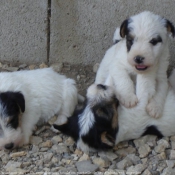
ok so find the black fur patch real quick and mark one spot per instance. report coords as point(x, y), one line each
point(152, 130)
point(116, 41)
point(12, 103)
point(129, 42)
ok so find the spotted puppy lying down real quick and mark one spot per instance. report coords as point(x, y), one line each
point(102, 122)
point(29, 96)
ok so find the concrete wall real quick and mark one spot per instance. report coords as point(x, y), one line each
point(79, 31)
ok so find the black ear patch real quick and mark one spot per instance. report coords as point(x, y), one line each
point(124, 28)
point(170, 27)
point(13, 99)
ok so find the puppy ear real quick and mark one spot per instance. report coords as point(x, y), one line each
point(124, 28)
point(107, 139)
point(19, 98)
point(10, 98)
point(170, 27)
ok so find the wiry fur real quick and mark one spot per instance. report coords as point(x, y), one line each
point(95, 125)
point(43, 93)
point(141, 57)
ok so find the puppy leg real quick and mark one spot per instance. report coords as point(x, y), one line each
point(156, 104)
point(69, 99)
point(125, 90)
point(145, 87)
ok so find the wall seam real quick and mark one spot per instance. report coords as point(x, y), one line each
point(48, 30)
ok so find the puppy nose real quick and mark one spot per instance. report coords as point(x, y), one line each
point(101, 86)
point(139, 59)
point(9, 146)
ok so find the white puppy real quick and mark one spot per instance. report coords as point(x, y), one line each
point(142, 57)
point(29, 96)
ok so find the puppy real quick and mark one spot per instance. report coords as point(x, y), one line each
point(29, 96)
point(141, 57)
point(95, 127)
point(96, 124)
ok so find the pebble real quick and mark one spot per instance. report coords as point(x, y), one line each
point(161, 146)
point(101, 162)
point(95, 67)
point(108, 154)
point(35, 140)
point(125, 151)
point(172, 155)
point(56, 139)
point(43, 65)
point(126, 162)
point(32, 67)
point(47, 144)
point(57, 67)
point(11, 69)
point(137, 169)
point(86, 166)
point(144, 150)
point(84, 157)
point(18, 154)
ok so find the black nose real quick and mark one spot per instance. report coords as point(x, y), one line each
point(100, 86)
point(139, 59)
point(9, 146)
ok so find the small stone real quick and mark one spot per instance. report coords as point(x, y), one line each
point(146, 172)
point(161, 146)
point(40, 130)
point(11, 69)
point(95, 67)
point(47, 144)
point(57, 67)
point(69, 141)
point(144, 160)
point(86, 166)
point(35, 140)
point(173, 145)
point(43, 65)
point(101, 162)
point(161, 156)
point(124, 164)
point(135, 159)
point(78, 77)
point(18, 154)
point(22, 66)
point(32, 67)
point(143, 140)
point(78, 152)
point(60, 149)
point(172, 155)
point(56, 139)
point(168, 171)
point(84, 157)
point(47, 157)
point(170, 163)
point(54, 160)
point(144, 150)
point(122, 145)
point(14, 167)
point(35, 149)
point(125, 151)
point(110, 155)
point(172, 138)
point(138, 169)
point(66, 161)
point(26, 164)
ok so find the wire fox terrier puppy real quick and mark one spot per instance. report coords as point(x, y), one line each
point(102, 122)
point(141, 57)
point(96, 124)
point(27, 97)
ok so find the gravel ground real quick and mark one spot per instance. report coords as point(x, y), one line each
point(50, 153)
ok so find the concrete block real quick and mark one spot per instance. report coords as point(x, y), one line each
point(82, 30)
point(23, 31)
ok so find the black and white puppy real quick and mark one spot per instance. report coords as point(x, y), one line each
point(96, 124)
point(27, 97)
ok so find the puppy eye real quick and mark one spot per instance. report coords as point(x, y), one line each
point(154, 41)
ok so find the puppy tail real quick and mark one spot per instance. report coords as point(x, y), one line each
point(116, 37)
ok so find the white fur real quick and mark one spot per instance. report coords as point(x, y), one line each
point(119, 63)
point(46, 93)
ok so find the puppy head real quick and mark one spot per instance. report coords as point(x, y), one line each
point(146, 38)
point(12, 104)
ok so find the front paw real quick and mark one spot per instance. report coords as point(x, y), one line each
point(128, 101)
point(153, 109)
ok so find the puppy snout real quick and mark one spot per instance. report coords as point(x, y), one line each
point(9, 146)
point(138, 59)
point(100, 86)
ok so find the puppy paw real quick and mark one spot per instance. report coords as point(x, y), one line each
point(153, 109)
point(54, 130)
point(129, 101)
